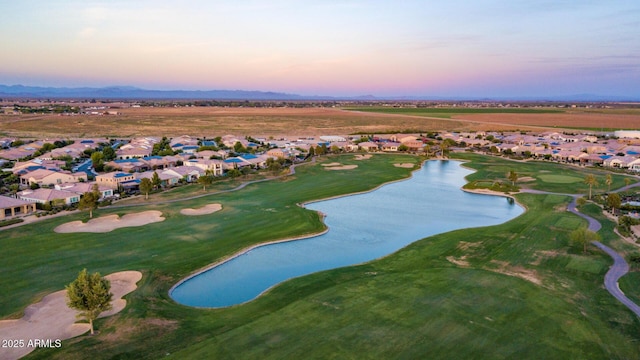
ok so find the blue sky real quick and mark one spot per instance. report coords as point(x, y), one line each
point(385, 48)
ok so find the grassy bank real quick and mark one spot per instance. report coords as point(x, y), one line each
point(512, 290)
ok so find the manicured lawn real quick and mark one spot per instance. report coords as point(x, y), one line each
point(515, 290)
point(548, 176)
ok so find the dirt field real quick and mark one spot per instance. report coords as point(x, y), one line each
point(265, 122)
point(571, 119)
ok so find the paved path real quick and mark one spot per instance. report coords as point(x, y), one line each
point(619, 267)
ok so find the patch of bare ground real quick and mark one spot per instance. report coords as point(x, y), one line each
point(363, 157)
point(526, 179)
point(125, 328)
point(545, 254)
point(460, 261)
point(464, 245)
point(404, 165)
point(215, 121)
point(560, 208)
point(517, 271)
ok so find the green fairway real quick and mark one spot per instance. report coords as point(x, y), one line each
point(559, 179)
point(516, 290)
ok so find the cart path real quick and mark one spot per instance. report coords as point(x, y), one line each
point(619, 267)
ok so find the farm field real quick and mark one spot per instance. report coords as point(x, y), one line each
point(214, 121)
point(527, 118)
point(517, 289)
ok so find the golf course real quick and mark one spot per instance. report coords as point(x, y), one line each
point(514, 290)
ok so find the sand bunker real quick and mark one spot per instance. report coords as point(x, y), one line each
point(111, 222)
point(404, 165)
point(52, 319)
point(363, 157)
point(341, 167)
point(332, 164)
point(207, 209)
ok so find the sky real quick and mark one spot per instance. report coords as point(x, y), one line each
point(492, 48)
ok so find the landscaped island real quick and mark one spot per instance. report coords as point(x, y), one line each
point(454, 293)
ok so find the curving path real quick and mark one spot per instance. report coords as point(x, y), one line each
point(617, 270)
point(619, 267)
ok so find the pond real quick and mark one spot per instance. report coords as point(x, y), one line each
point(362, 227)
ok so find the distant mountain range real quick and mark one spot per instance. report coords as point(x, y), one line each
point(134, 93)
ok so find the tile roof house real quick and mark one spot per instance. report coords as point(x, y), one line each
point(215, 166)
point(114, 179)
point(45, 196)
point(50, 177)
point(368, 146)
point(81, 188)
point(10, 207)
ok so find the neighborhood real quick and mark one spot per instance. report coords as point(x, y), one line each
point(46, 173)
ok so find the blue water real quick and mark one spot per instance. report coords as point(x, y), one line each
point(362, 227)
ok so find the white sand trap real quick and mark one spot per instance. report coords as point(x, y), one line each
point(207, 209)
point(332, 164)
point(111, 222)
point(51, 318)
point(343, 167)
point(363, 157)
point(404, 165)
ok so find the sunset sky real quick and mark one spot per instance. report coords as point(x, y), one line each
point(487, 48)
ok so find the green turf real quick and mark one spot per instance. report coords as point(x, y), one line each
point(559, 179)
point(521, 291)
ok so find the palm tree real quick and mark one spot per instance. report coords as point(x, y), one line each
point(627, 181)
point(590, 180)
point(608, 181)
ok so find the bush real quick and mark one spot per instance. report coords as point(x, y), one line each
point(10, 222)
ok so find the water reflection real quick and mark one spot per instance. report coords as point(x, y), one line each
point(361, 228)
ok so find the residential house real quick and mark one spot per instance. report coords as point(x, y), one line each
point(114, 179)
point(10, 207)
point(129, 165)
point(81, 188)
point(368, 146)
point(214, 166)
point(187, 173)
point(166, 178)
point(44, 177)
point(390, 146)
point(621, 162)
point(403, 138)
point(49, 196)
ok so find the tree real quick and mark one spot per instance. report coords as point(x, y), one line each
point(145, 187)
point(614, 202)
point(205, 180)
point(312, 151)
point(274, 165)
point(608, 181)
point(582, 237)
point(627, 181)
point(591, 181)
point(89, 201)
point(96, 159)
point(108, 153)
point(513, 177)
point(89, 294)
point(403, 148)
point(155, 180)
